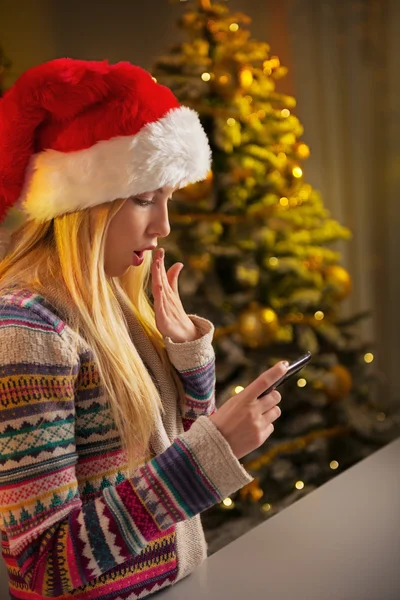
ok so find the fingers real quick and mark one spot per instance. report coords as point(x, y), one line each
point(264, 381)
point(273, 414)
point(269, 401)
point(159, 260)
point(168, 281)
point(173, 275)
point(268, 419)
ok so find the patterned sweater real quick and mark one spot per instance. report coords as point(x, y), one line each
point(73, 524)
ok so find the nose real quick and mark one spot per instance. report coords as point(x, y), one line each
point(159, 225)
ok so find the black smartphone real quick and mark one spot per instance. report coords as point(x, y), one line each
point(294, 367)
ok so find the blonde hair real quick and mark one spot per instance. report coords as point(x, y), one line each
point(70, 251)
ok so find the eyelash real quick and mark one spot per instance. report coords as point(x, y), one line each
point(143, 203)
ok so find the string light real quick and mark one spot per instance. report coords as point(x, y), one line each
point(266, 507)
point(285, 112)
point(284, 201)
point(238, 389)
point(319, 315)
point(334, 464)
point(231, 121)
point(206, 76)
point(301, 382)
point(297, 172)
point(228, 503)
point(380, 416)
point(299, 485)
point(273, 261)
point(369, 357)
point(233, 26)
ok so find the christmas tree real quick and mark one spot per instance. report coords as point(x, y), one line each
point(261, 263)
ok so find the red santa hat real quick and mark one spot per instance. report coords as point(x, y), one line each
point(74, 134)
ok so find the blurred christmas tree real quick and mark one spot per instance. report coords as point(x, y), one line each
point(258, 246)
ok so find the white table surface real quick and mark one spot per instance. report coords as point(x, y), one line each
point(341, 542)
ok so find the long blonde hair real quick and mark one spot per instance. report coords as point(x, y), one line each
point(69, 250)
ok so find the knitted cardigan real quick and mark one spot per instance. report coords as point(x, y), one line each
point(73, 524)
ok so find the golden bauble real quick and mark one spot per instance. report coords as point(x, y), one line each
point(201, 262)
point(246, 78)
point(302, 150)
point(198, 190)
point(252, 491)
point(258, 326)
point(340, 280)
point(337, 382)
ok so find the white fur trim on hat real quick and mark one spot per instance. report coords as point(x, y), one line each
point(172, 151)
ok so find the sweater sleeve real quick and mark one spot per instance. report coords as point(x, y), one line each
point(60, 540)
point(195, 364)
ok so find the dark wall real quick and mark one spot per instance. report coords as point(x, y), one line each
point(33, 31)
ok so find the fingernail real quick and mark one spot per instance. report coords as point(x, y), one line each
point(285, 363)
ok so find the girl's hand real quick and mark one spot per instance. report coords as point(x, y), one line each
point(246, 421)
point(171, 318)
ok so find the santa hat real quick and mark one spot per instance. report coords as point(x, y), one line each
point(74, 134)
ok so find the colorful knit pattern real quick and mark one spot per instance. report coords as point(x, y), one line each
point(197, 383)
point(73, 525)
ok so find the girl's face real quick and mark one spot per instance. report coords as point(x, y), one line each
point(135, 229)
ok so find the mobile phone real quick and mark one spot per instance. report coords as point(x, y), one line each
point(294, 367)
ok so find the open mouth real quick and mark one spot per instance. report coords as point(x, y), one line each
point(137, 257)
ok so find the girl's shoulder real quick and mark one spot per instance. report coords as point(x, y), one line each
point(31, 330)
point(28, 309)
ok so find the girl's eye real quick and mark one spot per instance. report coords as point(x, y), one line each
point(142, 201)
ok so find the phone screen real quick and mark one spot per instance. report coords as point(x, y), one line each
point(294, 367)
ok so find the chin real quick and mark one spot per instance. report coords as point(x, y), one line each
point(117, 272)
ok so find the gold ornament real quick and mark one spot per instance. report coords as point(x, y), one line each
point(258, 326)
point(246, 78)
point(302, 150)
point(252, 491)
point(337, 382)
point(340, 279)
point(199, 190)
point(201, 262)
